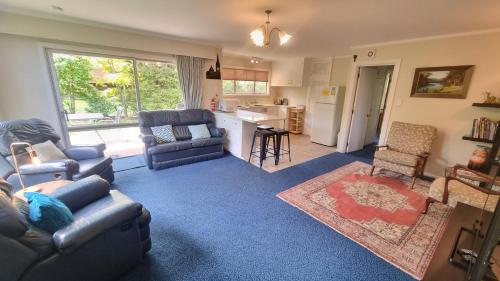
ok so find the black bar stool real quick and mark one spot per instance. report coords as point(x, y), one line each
point(264, 135)
point(280, 150)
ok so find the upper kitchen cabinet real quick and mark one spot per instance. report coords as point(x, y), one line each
point(287, 73)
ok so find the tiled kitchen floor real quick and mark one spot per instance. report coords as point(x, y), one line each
point(302, 150)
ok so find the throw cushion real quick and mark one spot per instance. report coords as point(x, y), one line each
point(12, 222)
point(48, 151)
point(199, 131)
point(6, 138)
point(163, 134)
point(182, 133)
point(47, 213)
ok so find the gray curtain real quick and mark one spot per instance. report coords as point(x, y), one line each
point(190, 70)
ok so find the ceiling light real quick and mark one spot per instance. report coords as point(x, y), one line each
point(258, 36)
point(284, 37)
point(262, 36)
point(255, 60)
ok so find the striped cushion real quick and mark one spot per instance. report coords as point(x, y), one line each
point(163, 134)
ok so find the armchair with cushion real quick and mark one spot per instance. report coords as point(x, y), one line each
point(467, 186)
point(406, 151)
point(82, 161)
point(109, 235)
point(184, 149)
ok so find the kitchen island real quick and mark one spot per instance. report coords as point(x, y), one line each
point(241, 125)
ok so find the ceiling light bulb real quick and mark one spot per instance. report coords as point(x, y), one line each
point(255, 60)
point(284, 37)
point(257, 36)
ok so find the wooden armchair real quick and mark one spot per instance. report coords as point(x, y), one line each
point(471, 187)
point(407, 149)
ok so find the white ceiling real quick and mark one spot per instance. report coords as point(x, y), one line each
point(319, 27)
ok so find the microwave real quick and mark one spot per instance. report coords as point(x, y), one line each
point(229, 105)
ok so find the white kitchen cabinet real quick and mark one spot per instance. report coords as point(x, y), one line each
point(287, 73)
point(234, 131)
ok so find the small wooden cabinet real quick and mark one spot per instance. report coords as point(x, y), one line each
point(296, 120)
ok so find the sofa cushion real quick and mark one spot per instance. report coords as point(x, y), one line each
point(163, 134)
point(199, 131)
point(397, 157)
point(175, 117)
point(12, 222)
point(207, 142)
point(169, 147)
point(93, 166)
point(182, 133)
point(32, 130)
point(48, 151)
point(48, 213)
point(6, 138)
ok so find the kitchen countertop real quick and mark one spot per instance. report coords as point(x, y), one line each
point(249, 116)
point(266, 105)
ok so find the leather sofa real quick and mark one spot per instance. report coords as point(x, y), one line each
point(184, 150)
point(109, 236)
point(83, 161)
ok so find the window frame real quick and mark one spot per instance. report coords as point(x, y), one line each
point(253, 94)
point(51, 49)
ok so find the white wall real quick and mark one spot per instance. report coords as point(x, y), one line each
point(25, 88)
point(452, 117)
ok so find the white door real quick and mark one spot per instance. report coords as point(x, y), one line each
point(322, 129)
point(362, 105)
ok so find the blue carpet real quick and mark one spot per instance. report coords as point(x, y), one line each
point(129, 162)
point(221, 220)
point(367, 152)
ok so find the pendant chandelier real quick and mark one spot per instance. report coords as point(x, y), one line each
point(262, 36)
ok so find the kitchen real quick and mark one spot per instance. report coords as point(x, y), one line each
point(240, 114)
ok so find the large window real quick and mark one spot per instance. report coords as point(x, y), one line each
point(98, 91)
point(244, 82)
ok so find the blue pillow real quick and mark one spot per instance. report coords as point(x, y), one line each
point(199, 131)
point(48, 213)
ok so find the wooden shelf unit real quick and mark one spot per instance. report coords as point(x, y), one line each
point(296, 120)
point(477, 139)
point(492, 105)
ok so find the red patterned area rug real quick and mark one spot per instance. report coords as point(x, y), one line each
point(380, 213)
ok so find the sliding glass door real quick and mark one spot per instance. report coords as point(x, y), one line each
point(100, 96)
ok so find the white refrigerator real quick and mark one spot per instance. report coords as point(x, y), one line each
point(327, 105)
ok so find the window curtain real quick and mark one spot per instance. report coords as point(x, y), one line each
point(190, 71)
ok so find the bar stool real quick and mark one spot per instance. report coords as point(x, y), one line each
point(264, 136)
point(278, 149)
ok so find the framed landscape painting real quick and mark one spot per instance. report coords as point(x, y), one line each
point(442, 82)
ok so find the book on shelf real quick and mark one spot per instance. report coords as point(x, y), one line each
point(484, 128)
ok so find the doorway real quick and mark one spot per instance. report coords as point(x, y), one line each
point(370, 100)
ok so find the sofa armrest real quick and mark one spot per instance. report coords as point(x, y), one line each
point(60, 166)
point(217, 132)
point(96, 218)
point(78, 194)
point(148, 140)
point(83, 152)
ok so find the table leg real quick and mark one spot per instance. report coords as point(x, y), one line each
point(277, 149)
point(428, 201)
point(263, 149)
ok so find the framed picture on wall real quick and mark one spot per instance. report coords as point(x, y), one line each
point(450, 82)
